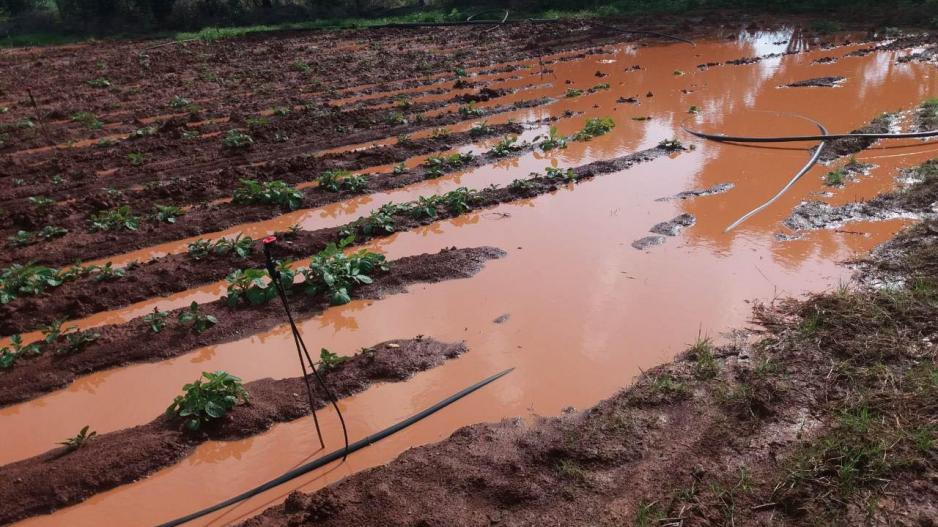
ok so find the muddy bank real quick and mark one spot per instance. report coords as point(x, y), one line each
point(179, 272)
point(919, 199)
point(61, 477)
point(134, 341)
point(828, 414)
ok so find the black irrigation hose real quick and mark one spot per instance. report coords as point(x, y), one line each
point(329, 458)
point(639, 32)
point(301, 345)
point(823, 138)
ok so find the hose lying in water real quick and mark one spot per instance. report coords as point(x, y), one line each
point(823, 138)
point(337, 454)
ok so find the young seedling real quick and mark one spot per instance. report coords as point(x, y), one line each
point(553, 140)
point(252, 286)
point(252, 192)
point(99, 83)
point(28, 279)
point(300, 66)
point(108, 272)
point(425, 207)
point(521, 185)
point(480, 129)
point(281, 111)
point(236, 140)
point(40, 202)
point(156, 320)
point(87, 119)
point(199, 249)
point(140, 133)
point(573, 92)
point(113, 219)
point(506, 146)
point(567, 175)
point(460, 200)
point(329, 360)
point(167, 213)
point(179, 102)
point(197, 321)
point(399, 169)
point(203, 402)
point(470, 110)
point(594, 127)
point(598, 87)
point(80, 439)
point(835, 178)
point(136, 158)
point(77, 341)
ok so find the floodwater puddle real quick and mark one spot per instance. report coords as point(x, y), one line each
point(579, 311)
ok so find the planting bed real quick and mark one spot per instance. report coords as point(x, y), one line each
point(525, 192)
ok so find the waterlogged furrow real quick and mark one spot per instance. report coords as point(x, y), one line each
point(65, 476)
point(86, 296)
point(84, 244)
point(136, 341)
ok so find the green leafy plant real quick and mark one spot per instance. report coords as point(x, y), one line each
point(156, 320)
point(693, 109)
point(80, 439)
point(399, 169)
point(460, 200)
point(378, 222)
point(240, 246)
point(40, 202)
point(179, 102)
point(252, 285)
point(300, 66)
point(108, 272)
point(521, 185)
point(236, 139)
point(835, 178)
point(425, 207)
point(77, 341)
point(553, 140)
point(99, 83)
point(480, 129)
point(594, 127)
point(197, 321)
point(26, 280)
point(598, 87)
point(573, 92)
point(252, 192)
point(396, 118)
point(167, 213)
point(87, 119)
point(565, 174)
point(52, 331)
point(136, 158)
point(329, 360)
point(21, 239)
point(140, 133)
point(506, 146)
point(470, 110)
point(436, 166)
point(203, 401)
point(112, 219)
point(199, 249)
point(281, 111)
point(9, 355)
point(335, 274)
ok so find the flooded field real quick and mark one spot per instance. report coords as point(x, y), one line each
point(594, 286)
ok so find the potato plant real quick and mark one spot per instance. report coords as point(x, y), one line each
point(24, 238)
point(167, 213)
point(594, 127)
point(436, 166)
point(204, 401)
point(237, 140)
point(156, 320)
point(26, 280)
point(197, 321)
point(506, 146)
point(335, 274)
point(113, 219)
point(252, 192)
point(339, 180)
point(470, 110)
point(253, 286)
point(553, 140)
point(9, 355)
point(80, 439)
point(329, 360)
point(77, 341)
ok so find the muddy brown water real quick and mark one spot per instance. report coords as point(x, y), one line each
point(580, 311)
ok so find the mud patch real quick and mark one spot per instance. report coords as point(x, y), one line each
point(819, 82)
point(718, 188)
point(675, 226)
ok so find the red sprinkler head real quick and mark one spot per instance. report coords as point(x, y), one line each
point(268, 240)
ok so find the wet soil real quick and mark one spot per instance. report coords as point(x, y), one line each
point(62, 477)
point(134, 341)
point(178, 272)
point(819, 82)
point(809, 420)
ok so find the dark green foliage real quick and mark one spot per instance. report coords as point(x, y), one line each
point(195, 319)
point(252, 192)
point(203, 401)
point(335, 274)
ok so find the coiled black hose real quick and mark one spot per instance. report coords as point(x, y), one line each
point(329, 458)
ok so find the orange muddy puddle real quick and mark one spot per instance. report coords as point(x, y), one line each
point(586, 311)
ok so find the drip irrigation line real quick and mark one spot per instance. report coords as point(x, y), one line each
point(641, 32)
point(301, 345)
point(796, 138)
point(337, 454)
point(823, 138)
